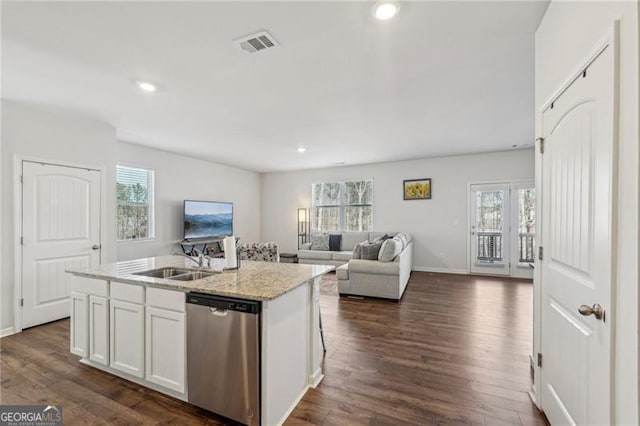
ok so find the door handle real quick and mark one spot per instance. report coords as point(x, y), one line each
point(96, 247)
point(595, 310)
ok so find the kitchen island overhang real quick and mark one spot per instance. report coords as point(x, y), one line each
point(113, 306)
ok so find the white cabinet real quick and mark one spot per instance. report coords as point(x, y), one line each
point(126, 332)
point(165, 339)
point(99, 329)
point(165, 348)
point(82, 289)
point(132, 329)
point(79, 324)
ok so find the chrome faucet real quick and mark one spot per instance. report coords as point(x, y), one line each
point(199, 262)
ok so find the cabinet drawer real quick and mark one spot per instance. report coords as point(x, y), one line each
point(127, 292)
point(89, 286)
point(167, 299)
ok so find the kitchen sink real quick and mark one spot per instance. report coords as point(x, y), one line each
point(192, 275)
point(162, 273)
point(175, 274)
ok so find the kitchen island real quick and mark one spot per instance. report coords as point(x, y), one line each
point(131, 319)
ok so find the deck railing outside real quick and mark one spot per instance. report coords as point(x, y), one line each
point(490, 247)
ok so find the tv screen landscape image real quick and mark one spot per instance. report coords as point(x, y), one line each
point(207, 219)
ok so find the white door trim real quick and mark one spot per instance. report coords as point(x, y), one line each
point(611, 38)
point(17, 222)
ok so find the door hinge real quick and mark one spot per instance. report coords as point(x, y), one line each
point(21, 302)
point(540, 253)
point(539, 359)
point(21, 241)
point(541, 140)
point(21, 179)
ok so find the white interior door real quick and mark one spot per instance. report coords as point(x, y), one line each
point(523, 229)
point(60, 230)
point(577, 211)
point(490, 229)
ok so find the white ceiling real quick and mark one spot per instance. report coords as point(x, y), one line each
point(441, 78)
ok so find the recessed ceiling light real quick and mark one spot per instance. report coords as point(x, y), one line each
point(147, 87)
point(385, 11)
point(301, 149)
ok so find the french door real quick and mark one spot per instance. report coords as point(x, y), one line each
point(502, 226)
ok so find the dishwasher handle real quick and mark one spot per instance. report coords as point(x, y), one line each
point(218, 311)
point(222, 303)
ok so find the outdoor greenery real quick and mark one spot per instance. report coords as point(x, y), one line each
point(134, 203)
point(527, 211)
point(489, 222)
point(490, 207)
point(342, 206)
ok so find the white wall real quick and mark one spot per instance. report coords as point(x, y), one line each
point(439, 226)
point(568, 32)
point(53, 135)
point(178, 178)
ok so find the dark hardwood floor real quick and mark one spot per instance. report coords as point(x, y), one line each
point(453, 351)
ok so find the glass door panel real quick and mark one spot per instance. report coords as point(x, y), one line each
point(524, 224)
point(489, 229)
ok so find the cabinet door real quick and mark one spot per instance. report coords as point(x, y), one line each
point(99, 329)
point(165, 348)
point(79, 324)
point(126, 343)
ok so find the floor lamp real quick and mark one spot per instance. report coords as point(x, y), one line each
point(303, 227)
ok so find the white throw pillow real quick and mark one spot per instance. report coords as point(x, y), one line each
point(357, 251)
point(390, 249)
point(404, 238)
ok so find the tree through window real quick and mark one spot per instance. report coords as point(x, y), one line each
point(134, 194)
point(342, 206)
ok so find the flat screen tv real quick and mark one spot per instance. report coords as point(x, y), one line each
point(207, 219)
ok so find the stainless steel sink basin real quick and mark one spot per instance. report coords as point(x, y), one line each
point(192, 275)
point(175, 274)
point(162, 272)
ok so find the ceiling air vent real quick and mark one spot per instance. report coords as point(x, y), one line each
point(257, 42)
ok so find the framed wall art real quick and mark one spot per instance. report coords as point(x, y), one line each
point(417, 189)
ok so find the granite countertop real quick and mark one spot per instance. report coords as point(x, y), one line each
point(253, 281)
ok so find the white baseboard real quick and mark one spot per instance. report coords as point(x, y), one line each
point(440, 270)
point(293, 406)
point(534, 398)
point(136, 380)
point(316, 378)
point(7, 332)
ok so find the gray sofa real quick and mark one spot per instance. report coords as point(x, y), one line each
point(359, 277)
point(336, 258)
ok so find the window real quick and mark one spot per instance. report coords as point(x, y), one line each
point(342, 206)
point(134, 189)
point(526, 225)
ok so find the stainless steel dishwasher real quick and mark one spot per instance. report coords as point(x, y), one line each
point(223, 356)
